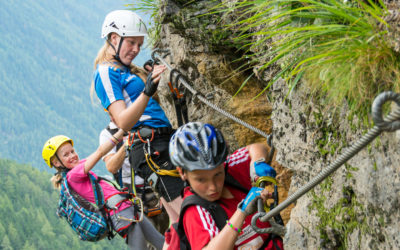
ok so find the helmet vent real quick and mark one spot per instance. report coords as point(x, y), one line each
point(113, 25)
point(193, 151)
point(197, 146)
point(189, 136)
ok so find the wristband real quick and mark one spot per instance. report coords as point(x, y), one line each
point(233, 227)
point(113, 142)
point(116, 139)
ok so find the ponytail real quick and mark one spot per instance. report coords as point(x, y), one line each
point(56, 180)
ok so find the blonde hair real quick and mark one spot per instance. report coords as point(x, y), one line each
point(56, 180)
point(106, 56)
point(57, 177)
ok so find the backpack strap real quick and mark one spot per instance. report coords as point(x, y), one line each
point(111, 182)
point(99, 197)
point(217, 212)
point(230, 181)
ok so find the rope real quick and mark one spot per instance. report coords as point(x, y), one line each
point(202, 98)
point(158, 170)
point(391, 123)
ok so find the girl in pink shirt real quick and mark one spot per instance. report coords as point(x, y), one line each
point(58, 152)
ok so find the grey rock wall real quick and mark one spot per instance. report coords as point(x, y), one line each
point(357, 207)
point(372, 176)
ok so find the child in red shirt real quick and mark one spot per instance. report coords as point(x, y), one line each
point(200, 153)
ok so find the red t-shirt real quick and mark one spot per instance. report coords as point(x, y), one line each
point(198, 223)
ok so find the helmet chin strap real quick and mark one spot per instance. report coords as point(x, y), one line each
point(62, 167)
point(116, 56)
point(226, 164)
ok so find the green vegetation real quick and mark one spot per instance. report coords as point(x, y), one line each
point(28, 213)
point(339, 221)
point(191, 18)
point(340, 49)
point(151, 8)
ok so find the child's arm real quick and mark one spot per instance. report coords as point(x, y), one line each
point(103, 149)
point(114, 161)
point(127, 117)
point(227, 237)
point(259, 153)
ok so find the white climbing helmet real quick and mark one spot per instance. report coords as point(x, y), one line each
point(124, 23)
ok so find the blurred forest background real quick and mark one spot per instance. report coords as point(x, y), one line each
point(47, 51)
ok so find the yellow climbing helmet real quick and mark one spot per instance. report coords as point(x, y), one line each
point(51, 146)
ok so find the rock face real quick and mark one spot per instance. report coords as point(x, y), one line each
point(357, 207)
point(359, 204)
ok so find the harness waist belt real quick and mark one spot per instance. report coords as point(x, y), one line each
point(114, 201)
point(146, 132)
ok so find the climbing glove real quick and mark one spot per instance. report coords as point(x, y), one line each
point(150, 86)
point(263, 169)
point(249, 204)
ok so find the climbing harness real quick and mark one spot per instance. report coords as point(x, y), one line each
point(144, 137)
point(138, 204)
point(114, 201)
point(150, 212)
point(390, 124)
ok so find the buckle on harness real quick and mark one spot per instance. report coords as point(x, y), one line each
point(152, 180)
point(145, 132)
point(137, 202)
point(114, 201)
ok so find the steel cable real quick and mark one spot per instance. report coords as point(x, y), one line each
point(195, 93)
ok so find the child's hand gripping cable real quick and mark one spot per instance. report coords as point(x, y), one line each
point(249, 204)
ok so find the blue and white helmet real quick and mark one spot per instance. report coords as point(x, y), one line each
point(197, 146)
